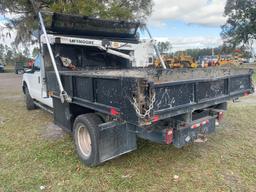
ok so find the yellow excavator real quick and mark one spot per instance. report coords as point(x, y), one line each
point(181, 61)
point(224, 60)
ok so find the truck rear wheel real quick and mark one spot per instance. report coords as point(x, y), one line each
point(86, 136)
point(29, 101)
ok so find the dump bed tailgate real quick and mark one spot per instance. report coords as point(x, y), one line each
point(176, 97)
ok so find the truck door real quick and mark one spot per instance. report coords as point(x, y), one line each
point(37, 86)
point(35, 79)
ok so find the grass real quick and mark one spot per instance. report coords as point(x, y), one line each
point(254, 78)
point(29, 160)
point(9, 69)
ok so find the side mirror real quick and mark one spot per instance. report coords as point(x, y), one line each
point(35, 68)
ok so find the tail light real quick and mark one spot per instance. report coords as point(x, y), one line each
point(169, 136)
point(155, 118)
point(114, 112)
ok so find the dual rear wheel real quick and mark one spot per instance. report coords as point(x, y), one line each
point(86, 136)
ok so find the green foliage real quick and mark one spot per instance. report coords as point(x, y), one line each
point(196, 53)
point(35, 52)
point(164, 47)
point(241, 23)
point(115, 10)
point(1, 53)
point(106, 9)
point(10, 55)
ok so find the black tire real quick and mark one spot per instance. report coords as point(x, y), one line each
point(29, 101)
point(87, 126)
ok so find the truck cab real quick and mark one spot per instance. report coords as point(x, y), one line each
point(34, 87)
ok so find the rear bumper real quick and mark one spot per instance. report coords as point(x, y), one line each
point(180, 136)
point(186, 135)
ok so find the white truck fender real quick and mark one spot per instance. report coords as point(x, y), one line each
point(25, 82)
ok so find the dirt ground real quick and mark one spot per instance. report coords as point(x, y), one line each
point(10, 82)
point(10, 90)
point(36, 155)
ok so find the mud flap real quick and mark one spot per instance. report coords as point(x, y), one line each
point(62, 114)
point(116, 139)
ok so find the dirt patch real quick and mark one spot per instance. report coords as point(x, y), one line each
point(52, 132)
point(233, 181)
point(2, 120)
point(10, 87)
point(10, 82)
point(250, 100)
point(12, 97)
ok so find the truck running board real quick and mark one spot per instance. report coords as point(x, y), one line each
point(45, 108)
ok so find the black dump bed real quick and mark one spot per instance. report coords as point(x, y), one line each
point(135, 95)
point(170, 92)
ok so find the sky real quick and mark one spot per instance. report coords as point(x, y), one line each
point(185, 23)
point(188, 23)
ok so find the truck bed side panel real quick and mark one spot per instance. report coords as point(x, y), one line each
point(207, 92)
point(173, 96)
point(240, 83)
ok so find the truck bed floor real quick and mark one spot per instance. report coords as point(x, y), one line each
point(162, 76)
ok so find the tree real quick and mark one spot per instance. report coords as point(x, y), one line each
point(9, 57)
point(26, 52)
point(35, 52)
point(108, 9)
point(196, 53)
point(164, 47)
point(2, 52)
point(241, 22)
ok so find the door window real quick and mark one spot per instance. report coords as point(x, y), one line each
point(37, 64)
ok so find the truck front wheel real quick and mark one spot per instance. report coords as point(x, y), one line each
point(86, 136)
point(29, 101)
